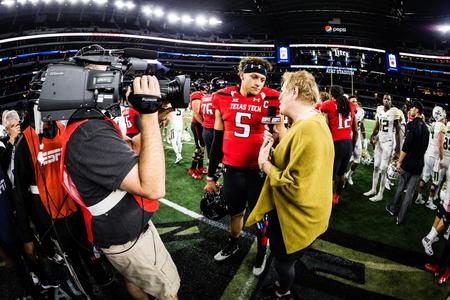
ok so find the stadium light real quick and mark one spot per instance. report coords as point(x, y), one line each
point(100, 2)
point(22, 2)
point(119, 4)
point(173, 17)
point(130, 5)
point(34, 2)
point(443, 28)
point(158, 12)
point(213, 21)
point(85, 1)
point(47, 1)
point(147, 10)
point(60, 1)
point(186, 19)
point(73, 2)
point(8, 3)
point(201, 20)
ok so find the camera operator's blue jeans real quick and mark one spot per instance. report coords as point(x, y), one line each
point(409, 182)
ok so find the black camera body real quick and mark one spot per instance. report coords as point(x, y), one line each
point(77, 89)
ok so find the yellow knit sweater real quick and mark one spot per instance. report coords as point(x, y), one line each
point(299, 185)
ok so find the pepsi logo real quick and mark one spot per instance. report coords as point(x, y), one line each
point(328, 29)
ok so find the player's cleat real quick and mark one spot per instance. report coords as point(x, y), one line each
point(231, 248)
point(202, 170)
point(444, 276)
point(376, 198)
point(178, 159)
point(259, 266)
point(370, 193)
point(431, 205)
point(349, 179)
point(193, 173)
point(427, 246)
point(387, 185)
point(419, 199)
point(433, 268)
point(336, 199)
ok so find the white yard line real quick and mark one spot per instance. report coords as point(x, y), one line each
point(201, 218)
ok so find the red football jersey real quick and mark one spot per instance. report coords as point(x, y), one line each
point(129, 115)
point(243, 130)
point(207, 111)
point(195, 96)
point(341, 126)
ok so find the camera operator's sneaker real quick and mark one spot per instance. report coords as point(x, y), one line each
point(231, 248)
point(419, 199)
point(260, 265)
point(427, 246)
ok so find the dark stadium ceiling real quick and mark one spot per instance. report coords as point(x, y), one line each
point(382, 23)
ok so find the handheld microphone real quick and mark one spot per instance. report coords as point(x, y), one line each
point(271, 119)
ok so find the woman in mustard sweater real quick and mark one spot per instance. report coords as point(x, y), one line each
point(297, 193)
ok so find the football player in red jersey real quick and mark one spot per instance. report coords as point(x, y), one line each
point(238, 134)
point(208, 112)
point(341, 119)
point(196, 169)
point(132, 121)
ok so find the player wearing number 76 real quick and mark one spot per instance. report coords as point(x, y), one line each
point(238, 136)
point(341, 119)
point(387, 126)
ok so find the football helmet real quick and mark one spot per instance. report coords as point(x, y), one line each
point(366, 159)
point(392, 172)
point(439, 113)
point(213, 206)
point(217, 83)
point(200, 85)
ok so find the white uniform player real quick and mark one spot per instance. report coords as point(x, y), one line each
point(387, 128)
point(176, 132)
point(432, 158)
point(442, 220)
point(360, 144)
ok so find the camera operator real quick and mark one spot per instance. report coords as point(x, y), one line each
point(103, 173)
point(41, 198)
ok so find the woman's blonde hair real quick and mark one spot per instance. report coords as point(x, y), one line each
point(8, 116)
point(305, 83)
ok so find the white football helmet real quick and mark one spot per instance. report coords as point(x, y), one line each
point(366, 159)
point(392, 172)
point(439, 113)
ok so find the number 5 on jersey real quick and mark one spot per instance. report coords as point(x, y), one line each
point(238, 123)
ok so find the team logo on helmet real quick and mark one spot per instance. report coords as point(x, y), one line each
point(217, 83)
point(213, 206)
point(392, 172)
point(439, 113)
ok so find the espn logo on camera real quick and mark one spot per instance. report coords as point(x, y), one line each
point(331, 29)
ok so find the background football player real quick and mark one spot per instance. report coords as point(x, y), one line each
point(361, 143)
point(196, 169)
point(442, 220)
point(238, 134)
point(433, 156)
point(175, 122)
point(387, 127)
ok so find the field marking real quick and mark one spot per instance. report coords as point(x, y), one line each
point(248, 284)
point(201, 218)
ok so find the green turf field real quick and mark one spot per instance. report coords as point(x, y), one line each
point(361, 232)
